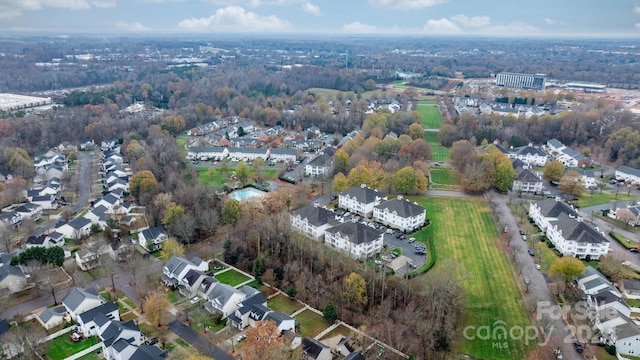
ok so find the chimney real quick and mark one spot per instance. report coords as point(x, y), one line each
point(400, 197)
point(315, 204)
point(363, 185)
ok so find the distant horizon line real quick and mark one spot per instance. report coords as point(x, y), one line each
point(297, 35)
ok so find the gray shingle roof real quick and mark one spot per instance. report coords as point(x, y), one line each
point(103, 309)
point(553, 208)
point(403, 207)
point(555, 143)
point(362, 194)
point(315, 215)
point(76, 296)
point(629, 170)
point(321, 160)
point(525, 175)
point(357, 233)
point(312, 347)
point(579, 231)
point(154, 232)
point(49, 313)
point(278, 317)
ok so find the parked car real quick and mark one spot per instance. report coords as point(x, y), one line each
point(411, 240)
point(152, 341)
point(194, 300)
point(521, 232)
point(531, 252)
point(578, 346)
point(538, 267)
point(633, 250)
point(524, 237)
point(241, 337)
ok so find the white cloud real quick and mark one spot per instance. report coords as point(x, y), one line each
point(235, 19)
point(549, 21)
point(131, 26)
point(15, 8)
point(471, 22)
point(515, 28)
point(636, 9)
point(441, 26)
point(405, 4)
point(359, 28)
point(311, 8)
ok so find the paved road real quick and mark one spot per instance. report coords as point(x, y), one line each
point(198, 341)
point(538, 290)
point(86, 161)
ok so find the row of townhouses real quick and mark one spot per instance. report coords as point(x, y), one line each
point(241, 154)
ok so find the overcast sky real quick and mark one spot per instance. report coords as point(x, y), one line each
point(526, 18)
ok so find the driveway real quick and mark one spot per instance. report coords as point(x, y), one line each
point(408, 250)
point(198, 341)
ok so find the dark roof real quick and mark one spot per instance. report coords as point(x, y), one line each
point(7, 270)
point(315, 215)
point(49, 313)
point(4, 327)
point(356, 355)
point(553, 208)
point(555, 143)
point(154, 232)
point(631, 284)
point(321, 160)
point(76, 296)
point(36, 240)
point(147, 352)
point(526, 175)
point(530, 150)
point(312, 347)
point(579, 231)
point(111, 333)
point(629, 170)
point(103, 309)
point(357, 233)
point(362, 194)
point(278, 317)
point(403, 208)
point(79, 222)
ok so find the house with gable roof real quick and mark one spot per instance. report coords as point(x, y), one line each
point(223, 299)
point(313, 349)
point(177, 268)
point(283, 155)
point(400, 214)
point(321, 165)
point(629, 215)
point(628, 175)
point(152, 238)
point(52, 317)
point(75, 228)
point(312, 220)
point(357, 240)
point(79, 300)
point(529, 154)
point(360, 200)
point(92, 322)
point(527, 182)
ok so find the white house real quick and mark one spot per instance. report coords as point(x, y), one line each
point(594, 282)
point(177, 268)
point(400, 214)
point(527, 182)
point(530, 155)
point(207, 153)
point(223, 299)
point(588, 178)
point(47, 202)
point(360, 200)
point(544, 212)
point(52, 317)
point(247, 154)
point(94, 321)
point(627, 339)
point(29, 211)
point(628, 174)
point(109, 201)
point(87, 259)
point(312, 220)
point(80, 300)
point(75, 229)
point(152, 238)
point(357, 240)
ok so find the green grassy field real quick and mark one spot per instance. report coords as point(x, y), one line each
point(284, 304)
point(598, 198)
point(61, 347)
point(463, 231)
point(311, 323)
point(440, 153)
point(431, 117)
point(216, 178)
point(445, 176)
point(232, 277)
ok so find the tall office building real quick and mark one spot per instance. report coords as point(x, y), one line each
point(521, 81)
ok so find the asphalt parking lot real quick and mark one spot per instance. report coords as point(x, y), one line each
point(408, 250)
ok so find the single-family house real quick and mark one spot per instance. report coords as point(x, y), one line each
point(253, 308)
point(93, 321)
point(52, 317)
point(357, 240)
point(571, 158)
point(79, 300)
point(360, 200)
point(11, 219)
point(117, 184)
point(607, 299)
point(631, 288)
point(177, 268)
point(120, 251)
point(223, 299)
point(283, 321)
point(118, 336)
point(47, 202)
point(75, 228)
point(629, 215)
point(109, 201)
point(628, 175)
point(52, 171)
point(29, 211)
point(319, 166)
point(313, 349)
point(593, 282)
point(588, 178)
point(152, 238)
point(555, 146)
point(87, 259)
point(400, 214)
point(312, 220)
point(12, 279)
point(627, 339)
point(86, 144)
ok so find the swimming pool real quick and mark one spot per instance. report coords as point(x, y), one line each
point(246, 194)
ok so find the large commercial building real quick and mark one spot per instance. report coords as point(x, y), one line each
point(11, 102)
point(521, 81)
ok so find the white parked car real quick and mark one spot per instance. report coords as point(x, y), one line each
point(194, 300)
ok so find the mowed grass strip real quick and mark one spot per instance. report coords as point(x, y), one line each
point(464, 232)
point(311, 323)
point(207, 177)
point(284, 304)
point(439, 152)
point(598, 198)
point(62, 347)
point(232, 277)
point(431, 117)
point(445, 176)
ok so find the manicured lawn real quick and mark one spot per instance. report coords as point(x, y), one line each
point(440, 153)
point(129, 302)
point(91, 356)
point(463, 230)
point(174, 296)
point(148, 329)
point(284, 304)
point(431, 117)
point(182, 343)
point(181, 140)
point(445, 176)
point(232, 277)
point(602, 354)
point(311, 323)
point(627, 243)
point(62, 347)
point(216, 178)
point(598, 198)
